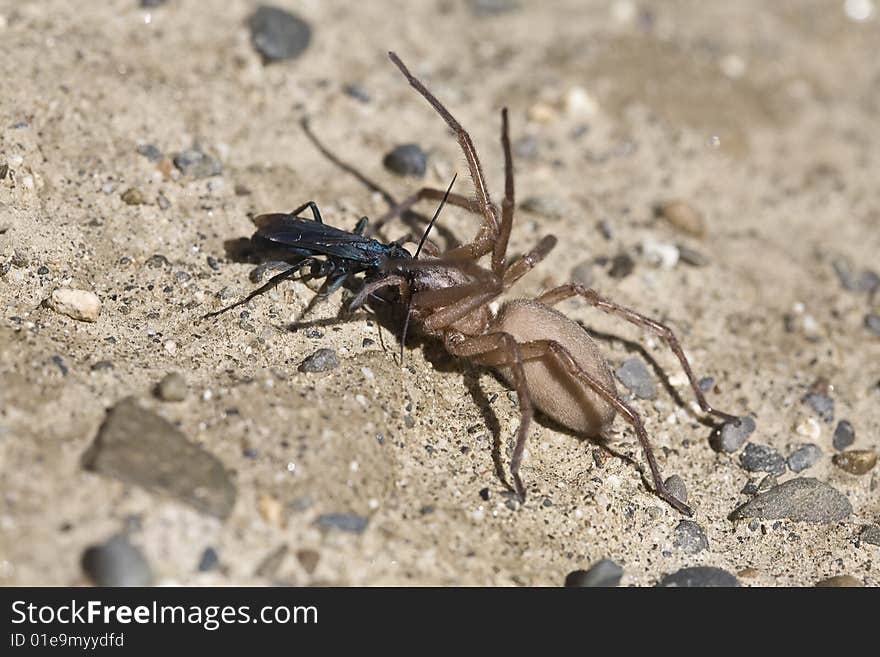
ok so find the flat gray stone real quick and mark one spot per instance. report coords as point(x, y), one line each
point(699, 576)
point(604, 573)
point(638, 380)
point(117, 563)
point(802, 500)
point(136, 446)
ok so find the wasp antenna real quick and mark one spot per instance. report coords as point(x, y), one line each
point(434, 218)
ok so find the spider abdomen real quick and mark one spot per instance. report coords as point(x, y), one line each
point(553, 390)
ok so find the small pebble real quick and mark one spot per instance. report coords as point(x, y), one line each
point(844, 435)
point(150, 4)
point(323, 360)
point(706, 383)
point(550, 207)
point(872, 323)
point(690, 537)
point(209, 560)
point(660, 254)
point(870, 534)
point(77, 304)
point(856, 461)
point(357, 92)
point(212, 263)
point(271, 510)
point(579, 104)
point(150, 152)
point(583, 273)
point(156, 261)
point(484, 494)
point(762, 458)
point(347, 522)
point(492, 7)
point(840, 581)
point(804, 457)
point(117, 563)
point(406, 160)
point(278, 34)
point(272, 562)
point(162, 201)
point(197, 164)
point(864, 281)
point(692, 257)
point(133, 196)
point(604, 573)
point(102, 365)
point(622, 265)
point(802, 500)
point(635, 376)
point(676, 487)
point(808, 427)
point(42, 270)
point(172, 387)
point(682, 216)
point(699, 576)
point(822, 404)
point(308, 559)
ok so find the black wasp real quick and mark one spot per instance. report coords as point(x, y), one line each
point(317, 250)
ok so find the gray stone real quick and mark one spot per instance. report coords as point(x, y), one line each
point(278, 34)
point(323, 360)
point(840, 581)
point(406, 160)
point(622, 265)
point(870, 534)
point(583, 273)
point(699, 576)
point(193, 162)
point(690, 537)
point(844, 436)
point(635, 376)
point(802, 500)
point(346, 522)
point(805, 456)
point(872, 323)
point(823, 405)
point(676, 486)
point(209, 560)
point(604, 573)
point(139, 447)
point(117, 563)
point(762, 458)
point(271, 563)
point(149, 151)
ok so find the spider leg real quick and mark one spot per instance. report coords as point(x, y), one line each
point(554, 296)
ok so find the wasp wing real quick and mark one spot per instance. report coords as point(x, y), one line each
point(306, 237)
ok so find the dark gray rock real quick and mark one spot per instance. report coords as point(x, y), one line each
point(197, 164)
point(699, 576)
point(209, 560)
point(844, 436)
point(622, 265)
point(149, 151)
point(762, 458)
point(117, 563)
point(676, 486)
point(278, 34)
point(870, 534)
point(863, 281)
point(729, 437)
point(323, 360)
point(690, 537)
point(357, 92)
point(406, 160)
point(346, 522)
point(139, 447)
point(692, 257)
point(635, 376)
point(604, 573)
point(583, 273)
point(801, 500)
point(805, 456)
point(823, 405)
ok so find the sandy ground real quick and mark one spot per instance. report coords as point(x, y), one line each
point(763, 116)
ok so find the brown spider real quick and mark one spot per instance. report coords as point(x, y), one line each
point(549, 359)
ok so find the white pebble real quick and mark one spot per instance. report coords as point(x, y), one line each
point(809, 428)
point(579, 103)
point(15, 161)
point(660, 253)
point(27, 181)
point(78, 304)
point(733, 66)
